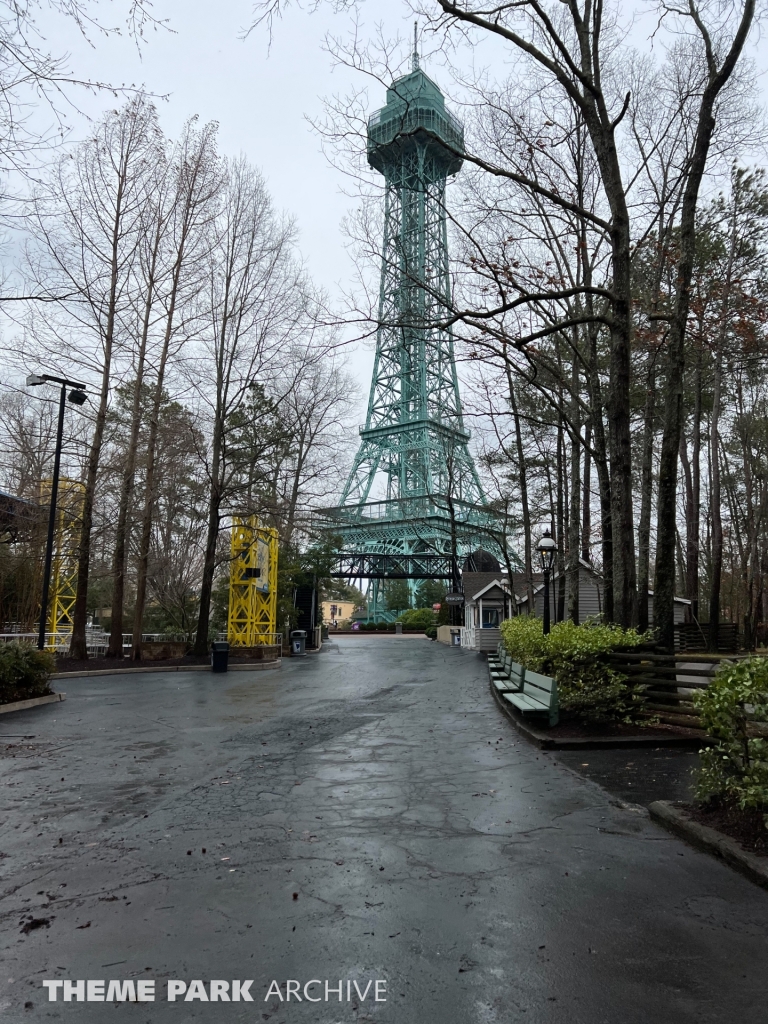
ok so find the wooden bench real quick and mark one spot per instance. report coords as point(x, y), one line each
point(536, 697)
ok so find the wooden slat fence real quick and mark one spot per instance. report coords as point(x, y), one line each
point(670, 681)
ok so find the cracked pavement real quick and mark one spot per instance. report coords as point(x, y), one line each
point(363, 813)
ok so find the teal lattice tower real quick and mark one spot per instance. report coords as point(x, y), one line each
point(413, 486)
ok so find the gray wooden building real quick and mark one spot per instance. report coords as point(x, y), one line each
point(489, 598)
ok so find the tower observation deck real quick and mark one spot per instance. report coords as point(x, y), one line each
point(412, 502)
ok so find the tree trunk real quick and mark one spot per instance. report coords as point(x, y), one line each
point(561, 506)
point(115, 649)
point(619, 434)
point(574, 513)
point(522, 476)
point(586, 502)
point(646, 499)
point(693, 538)
point(716, 569)
point(149, 493)
point(211, 542)
point(603, 478)
point(682, 566)
point(147, 516)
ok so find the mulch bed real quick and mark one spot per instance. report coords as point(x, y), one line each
point(593, 730)
point(64, 664)
point(746, 827)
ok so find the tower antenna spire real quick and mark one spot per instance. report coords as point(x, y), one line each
point(415, 59)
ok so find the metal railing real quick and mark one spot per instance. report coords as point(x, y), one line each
point(385, 124)
point(96, 642)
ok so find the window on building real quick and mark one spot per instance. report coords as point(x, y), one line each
point(491, 618)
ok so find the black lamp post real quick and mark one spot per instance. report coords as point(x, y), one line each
point(76, 396)
point(546, 548)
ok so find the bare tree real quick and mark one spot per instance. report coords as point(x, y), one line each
point(718, 33)
point(195, 187)
point(253, 305)
point(149, 272)
point(313, 413)
point(87, 223)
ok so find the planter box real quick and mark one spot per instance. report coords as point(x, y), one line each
point(261, 652)
point(163, 650)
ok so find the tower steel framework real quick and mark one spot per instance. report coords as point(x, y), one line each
point(413, 488)
point(252, 616)
point(69, 515)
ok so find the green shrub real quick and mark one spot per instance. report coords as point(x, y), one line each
point(574, 656)
point(735, 769)
point(382, 626)
point(24, 672)
point(431, 632)
point(417, 618)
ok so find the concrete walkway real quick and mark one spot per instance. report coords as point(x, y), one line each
point(366, 813)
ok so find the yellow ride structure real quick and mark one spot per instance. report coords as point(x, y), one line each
point(66, 543)
point(252, 619)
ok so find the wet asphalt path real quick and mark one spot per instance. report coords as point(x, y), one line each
point(381, 820)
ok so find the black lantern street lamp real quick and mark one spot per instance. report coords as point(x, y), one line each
point(546, 548)
point(76, 396)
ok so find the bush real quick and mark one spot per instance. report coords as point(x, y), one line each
point(431, 632)
point(24, 672)
point(573, 656)
point(417, 618)
point(735, 769)
point(382, 626)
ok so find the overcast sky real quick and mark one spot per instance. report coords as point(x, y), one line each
point(263, 98)
point(261, 95)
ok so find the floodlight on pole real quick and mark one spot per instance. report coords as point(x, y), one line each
point(77, 396)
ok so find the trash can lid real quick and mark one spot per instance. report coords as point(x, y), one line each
point(220, 645)
point(299, 632)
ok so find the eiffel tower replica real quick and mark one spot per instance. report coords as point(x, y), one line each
point(413, 501)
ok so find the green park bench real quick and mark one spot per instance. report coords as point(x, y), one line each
point(537, 697)
point(528, 692)
point(506, 674)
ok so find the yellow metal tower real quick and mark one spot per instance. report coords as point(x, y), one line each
point(69, 515)
point(252, 619)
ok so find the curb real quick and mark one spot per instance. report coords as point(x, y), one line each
point(543, 741)
point(258, 666)
point(33, 702)
point(675, 820)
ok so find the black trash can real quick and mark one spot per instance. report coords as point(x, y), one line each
point(298, 643)
point(219, 656)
